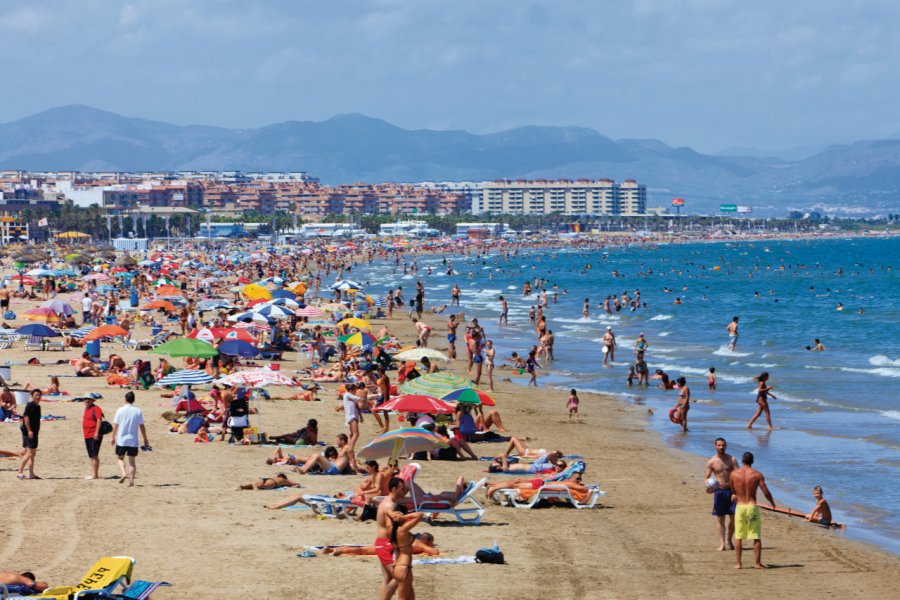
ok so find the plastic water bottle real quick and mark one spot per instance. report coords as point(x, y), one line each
point(496, 546)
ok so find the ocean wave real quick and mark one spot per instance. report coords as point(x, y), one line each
point(664, 334)
point(892, 414)
point(881, 360)
point(661, 318)
point(724, 351)
point(762, 365)
point(881, 371)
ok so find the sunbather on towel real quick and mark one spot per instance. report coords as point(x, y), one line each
point(534, 483)
point(518, 444)
point(308, 435)
point(269, 483)
point(331, 463)
point(423, 543)
point(421, 496)
point(545, 462)
point(279, 457)
point(25, 578)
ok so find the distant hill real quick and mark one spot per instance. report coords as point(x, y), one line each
point(351, 148)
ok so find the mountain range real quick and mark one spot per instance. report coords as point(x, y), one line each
point(860, 177)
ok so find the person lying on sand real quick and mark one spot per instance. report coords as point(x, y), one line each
point(308, 435)
point(25, 578)
point(85, 367)
point(269, 483)
point(423, 543)
point(518, 444)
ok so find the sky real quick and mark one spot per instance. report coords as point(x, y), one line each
point(710, 74)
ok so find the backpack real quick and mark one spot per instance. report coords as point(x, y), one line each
point(490, 556)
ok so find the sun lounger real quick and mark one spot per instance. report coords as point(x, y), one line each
point(153, 342)
point(465, 509)
point(59, 346)
point(330, 506)
point(5, 344)
point(34, 343)
point(106, 575)
point(550, 492)
point(139, 590)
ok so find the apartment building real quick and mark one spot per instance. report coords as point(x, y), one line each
point(570, 197)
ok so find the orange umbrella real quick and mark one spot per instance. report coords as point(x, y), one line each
point(105, 331)
point(168, 290)
point(157, 304)
point(46, 315)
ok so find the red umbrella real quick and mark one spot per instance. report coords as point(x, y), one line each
point(26, 280)
point(416, 403)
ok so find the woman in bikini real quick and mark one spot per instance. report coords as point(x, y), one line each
point(269, 483)
point(763, 392)
point(402, 538)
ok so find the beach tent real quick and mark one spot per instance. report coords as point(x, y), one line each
point(186, 347)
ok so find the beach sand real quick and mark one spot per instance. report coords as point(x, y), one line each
point(185, 523)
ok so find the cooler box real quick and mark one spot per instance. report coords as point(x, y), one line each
point(93, 348)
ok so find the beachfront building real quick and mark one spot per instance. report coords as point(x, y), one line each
point(593, 197)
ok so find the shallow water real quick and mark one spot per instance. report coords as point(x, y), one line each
point(837, 414)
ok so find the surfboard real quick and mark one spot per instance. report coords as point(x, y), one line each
point(794, 513)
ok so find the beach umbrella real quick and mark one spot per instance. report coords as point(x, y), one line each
point(59, 307)
point(106, 288)
point(417, 403)
point(37, 330)
point(46, 315)
point(214, 304)
point(97, 277)
point(309, 311)
point(65, 272)
point(238, 348)
point(41, 273)
point(24, 279)
point(345, 285)
point(159, 304)
point(284, 294)
point(273, 311)
point(169, 291)
point(469, 395)
point(358, 339)
point(420, 353)
point(254, 317)
point(257, 378)
point(255, 291)
point(358, 323)
point(286, 302)
point(103, 331)
point(435, 384)
point(186, 347)
point(401, 441)
point(163, 281)
point(186, 377)
point(79, 333)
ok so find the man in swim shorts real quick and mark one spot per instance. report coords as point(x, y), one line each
point(720, 466)
point(452, 324)
point(745, 481)
point(732, 333)
point(384, 549)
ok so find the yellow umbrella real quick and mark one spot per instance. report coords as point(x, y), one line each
point(68, 235)
point(255, 291)
point(298, 288)
point(358, 323)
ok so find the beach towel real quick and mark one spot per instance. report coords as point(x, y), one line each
point(580, 497)
point(459, 560)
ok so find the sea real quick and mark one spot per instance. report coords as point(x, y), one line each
point(837, 411)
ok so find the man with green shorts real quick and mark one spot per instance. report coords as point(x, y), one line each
point(744, 483)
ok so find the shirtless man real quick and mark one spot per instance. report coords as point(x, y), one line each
point(85, 367)
point(504, 312)
point(745, 481)
point(384, 549)
point(732, 333)
point(720, 466)
point(25, 578)
point(452, 324)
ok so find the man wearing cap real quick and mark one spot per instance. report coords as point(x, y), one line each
point(93, 435)
point(609, 343)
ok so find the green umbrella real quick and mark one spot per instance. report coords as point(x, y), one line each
point(186, 347)
point(436, 384)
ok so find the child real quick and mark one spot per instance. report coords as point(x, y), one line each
point(572, 404)
point(822, 512)
point(631, 375)
point(711, 378)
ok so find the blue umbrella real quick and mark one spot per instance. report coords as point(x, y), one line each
point(186, 377)
point(274, 311)
point(284, 294)
point(105, 288)
point(238, 348)
point(37, 330)
point(214, 304)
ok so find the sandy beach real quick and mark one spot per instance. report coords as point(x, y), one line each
point(185, 523)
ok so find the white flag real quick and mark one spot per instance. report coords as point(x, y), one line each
point(43, 223)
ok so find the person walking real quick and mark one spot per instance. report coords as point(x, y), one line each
point(128, 421)
point(31, 427)
point(92, 427)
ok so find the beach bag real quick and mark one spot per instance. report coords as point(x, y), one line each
point(105, 427)
point(489, 555)
point(9, 315)
point(242, 421)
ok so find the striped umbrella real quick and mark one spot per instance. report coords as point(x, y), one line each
point(358, 339)
point(46, 315)
point(401, 441)
point(309, 311)
point(186, 377)
point(257, 378)
point(435, 384)
point(79, 333)
point(469, 395)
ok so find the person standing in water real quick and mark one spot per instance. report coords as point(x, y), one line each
point(609, 343)
point(684, 402)
point(732, 333)
point(763, 391)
